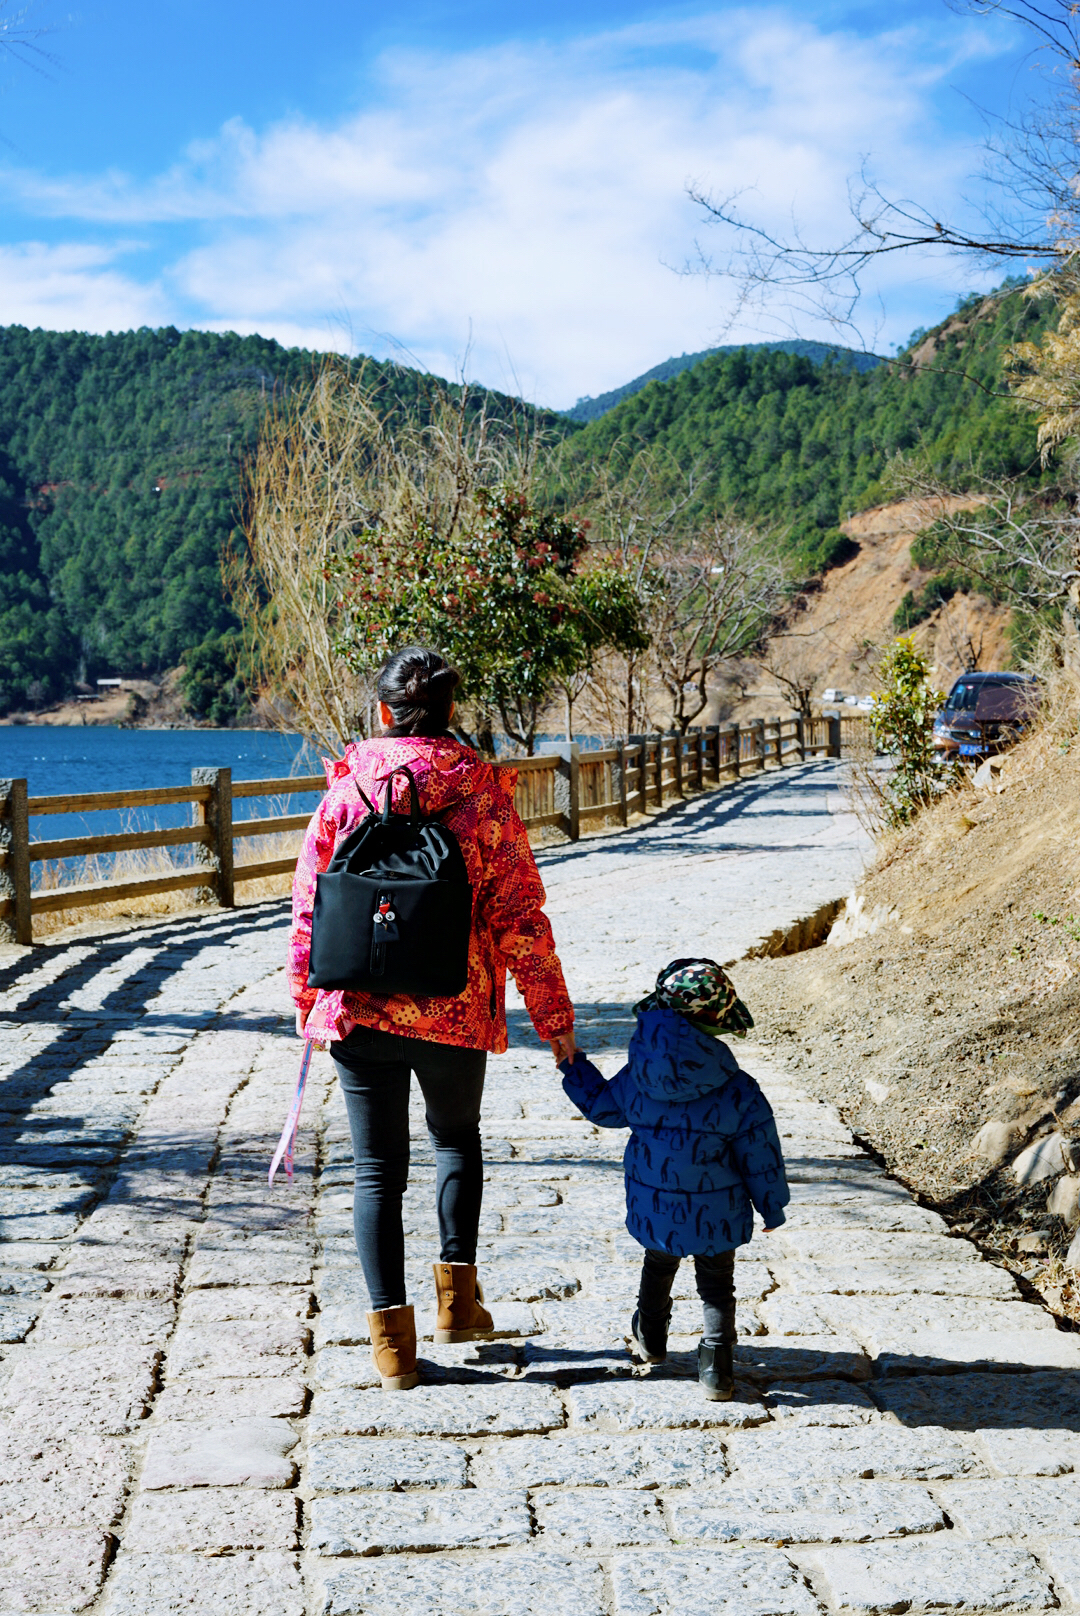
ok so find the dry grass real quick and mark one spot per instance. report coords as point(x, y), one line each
point(963, 1007)
point(144, 865)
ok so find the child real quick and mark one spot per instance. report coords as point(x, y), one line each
point(703, 1151)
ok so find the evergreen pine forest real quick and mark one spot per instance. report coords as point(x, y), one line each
point(121, 464)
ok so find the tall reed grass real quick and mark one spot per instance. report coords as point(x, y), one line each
point(143, 865)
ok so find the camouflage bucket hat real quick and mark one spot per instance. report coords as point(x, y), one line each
point(702, 991)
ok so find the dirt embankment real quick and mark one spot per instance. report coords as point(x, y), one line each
point(851, 614)
point(961, 1008)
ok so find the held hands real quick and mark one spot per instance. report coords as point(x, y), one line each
point(563, 1046)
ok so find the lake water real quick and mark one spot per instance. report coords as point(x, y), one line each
point(59, 759)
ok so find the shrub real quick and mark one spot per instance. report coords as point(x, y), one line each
point(902, 723)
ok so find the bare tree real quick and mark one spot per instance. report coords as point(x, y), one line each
point(641, 502)
point(1019, 546)
point(21, 40)
point(712, 599)
point(1031, 213)
point(795, 658)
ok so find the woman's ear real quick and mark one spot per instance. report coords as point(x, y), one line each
point(386, 717)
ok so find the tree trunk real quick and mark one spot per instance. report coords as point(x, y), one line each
point(1070, 629)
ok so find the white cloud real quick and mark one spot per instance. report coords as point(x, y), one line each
point(74, 287)
point(532, 195)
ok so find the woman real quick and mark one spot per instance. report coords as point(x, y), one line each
point(377, 1041)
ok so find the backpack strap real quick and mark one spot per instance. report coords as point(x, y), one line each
point(414, 795)
point(362, 794)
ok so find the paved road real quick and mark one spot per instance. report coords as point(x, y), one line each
point(189, 1420)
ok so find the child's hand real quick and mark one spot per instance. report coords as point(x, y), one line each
point(563, 1046)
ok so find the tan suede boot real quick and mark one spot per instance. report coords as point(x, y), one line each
point(461, 1318)
point(393, 1347)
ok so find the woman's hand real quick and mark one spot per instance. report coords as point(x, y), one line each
point(563, 1046)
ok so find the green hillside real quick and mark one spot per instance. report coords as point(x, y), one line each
point(119, 479)
point(799, 444)
point(591, 409)
point(120, 465)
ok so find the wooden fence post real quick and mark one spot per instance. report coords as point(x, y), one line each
point(834, 736)
point(16, 923)
point(699, 761)
point(759, 743)
point(217, 814)
point(659, 769)
point(677, 748)
point(573, 765)
point(624, 805)
point(712, 748)
point(640, 744)
point(736, 736)
point(800, 736)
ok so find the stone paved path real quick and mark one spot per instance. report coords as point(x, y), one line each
point(188, 1416)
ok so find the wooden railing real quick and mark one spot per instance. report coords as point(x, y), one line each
point(565, 788)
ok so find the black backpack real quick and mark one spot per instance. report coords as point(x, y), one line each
point(393, 912)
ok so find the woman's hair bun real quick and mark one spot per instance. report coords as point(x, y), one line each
point(418, 686)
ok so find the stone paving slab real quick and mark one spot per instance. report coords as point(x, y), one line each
point(881, 1452)
point(910, 1278)
point(616, 1518)
point(652, 1404)
point(685, 1582)
point(497, 1584)
point(1015, 1508)
point(211, 1520)
point(49, 1570)
point(387, 1523)
point(932, 1576)
point(437, 1411)
point(354, 1465)
point(1061, 1557)
point(876, 1319)
point(1005, 1350)
point(223, 1401)
point(239, 1453)
point(260, 1584)
point(824, 1513)
point(681, 1458)
point(823, 1402)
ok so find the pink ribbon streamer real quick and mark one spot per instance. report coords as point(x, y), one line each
point(287, 1142)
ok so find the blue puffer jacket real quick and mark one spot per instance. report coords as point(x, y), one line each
point(703, 1147)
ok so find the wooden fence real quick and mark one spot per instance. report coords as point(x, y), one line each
point(567, 789)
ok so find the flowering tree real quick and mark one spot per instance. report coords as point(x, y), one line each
point(501, 593)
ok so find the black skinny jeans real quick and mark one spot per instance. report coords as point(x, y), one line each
point(373, 1068)
point(715, 1277)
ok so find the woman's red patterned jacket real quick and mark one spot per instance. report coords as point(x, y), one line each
point(509, 926)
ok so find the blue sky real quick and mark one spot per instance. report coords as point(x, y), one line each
point(499, 187)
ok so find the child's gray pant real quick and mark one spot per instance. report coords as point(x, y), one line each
point(715, 1278)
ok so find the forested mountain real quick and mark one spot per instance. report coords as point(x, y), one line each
point(120, 465)
point(119, 482)
point(800, 444)
point(591, 409)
